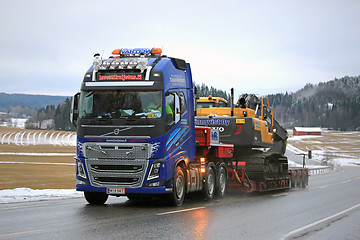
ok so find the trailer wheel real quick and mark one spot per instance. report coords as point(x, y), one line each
point(96, 198)
point(178, 194)
point(209, 185)
point(221, 182)
point(293, 179)
point(303, 179)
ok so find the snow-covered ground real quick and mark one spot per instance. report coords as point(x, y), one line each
point(328, 152)
point(27, 194)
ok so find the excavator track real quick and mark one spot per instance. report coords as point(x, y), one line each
point(264, 166)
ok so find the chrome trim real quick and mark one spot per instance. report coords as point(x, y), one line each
point(124, 165)
point(147, 74)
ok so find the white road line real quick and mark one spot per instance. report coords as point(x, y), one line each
point(18, 233)
point(179, 211)
point(299, 230)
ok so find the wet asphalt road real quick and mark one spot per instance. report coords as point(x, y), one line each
point(328, 209)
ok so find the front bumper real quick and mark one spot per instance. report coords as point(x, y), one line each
point(141, 190)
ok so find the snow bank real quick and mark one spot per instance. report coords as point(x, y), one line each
point(27, 194)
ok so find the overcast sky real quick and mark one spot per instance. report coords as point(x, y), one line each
point(254, 46)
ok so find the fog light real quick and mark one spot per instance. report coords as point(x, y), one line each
point(154, 184)
point(79, 182)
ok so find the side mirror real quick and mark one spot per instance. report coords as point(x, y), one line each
point(74, 112)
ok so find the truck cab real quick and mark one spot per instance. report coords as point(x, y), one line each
point(135, 124)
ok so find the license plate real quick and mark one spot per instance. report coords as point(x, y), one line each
point(115, 190)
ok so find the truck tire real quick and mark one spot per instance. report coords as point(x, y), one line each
point(221, 182)
point(178, 194)
point(96, 198)
point(209, 185)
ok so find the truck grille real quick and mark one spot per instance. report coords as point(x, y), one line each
point(117, 164)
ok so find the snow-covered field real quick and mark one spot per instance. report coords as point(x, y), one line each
point(337, 148)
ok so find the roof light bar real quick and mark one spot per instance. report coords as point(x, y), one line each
point(137, 51)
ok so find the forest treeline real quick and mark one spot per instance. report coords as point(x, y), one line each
point(334, 104)
point(59, 117)
point(204, 91)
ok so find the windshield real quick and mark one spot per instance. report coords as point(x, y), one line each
point(120, 104)
point(206, 105)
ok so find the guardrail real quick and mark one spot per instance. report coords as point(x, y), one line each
point(314, 171)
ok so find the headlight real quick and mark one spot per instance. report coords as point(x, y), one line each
point(142, 63)
point(80, 169)
point(155, 170)
point(124, 63)
point(132, 63)
point(115, 64)
point(106, 64)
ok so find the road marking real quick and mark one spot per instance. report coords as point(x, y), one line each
point(222, 202)
point(299, 230)
point(179, 211)
point(19, 233)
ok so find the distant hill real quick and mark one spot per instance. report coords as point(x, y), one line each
point(334, 104)
point(8, 101)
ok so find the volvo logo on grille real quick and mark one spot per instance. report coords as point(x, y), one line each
point(116, 131)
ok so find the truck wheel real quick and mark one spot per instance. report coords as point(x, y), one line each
point(221, 182)
point(209, 187)
point(96, 198)
point(178, 194)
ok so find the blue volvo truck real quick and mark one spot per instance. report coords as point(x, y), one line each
point(136, 136)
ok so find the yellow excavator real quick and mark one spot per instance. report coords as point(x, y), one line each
point(258, 138)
